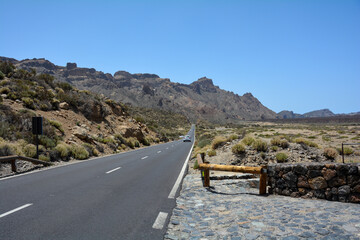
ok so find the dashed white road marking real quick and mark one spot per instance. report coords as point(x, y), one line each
point(160, 220)
point(167, 148)
point(144, 157)
point(113, 170)
point(159, 152)
point(15, 210)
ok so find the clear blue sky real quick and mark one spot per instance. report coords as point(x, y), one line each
point(292, 55)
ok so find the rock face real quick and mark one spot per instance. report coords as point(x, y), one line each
point(198, 100)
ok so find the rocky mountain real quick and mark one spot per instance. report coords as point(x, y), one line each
point(318, 113)
point(198, 100)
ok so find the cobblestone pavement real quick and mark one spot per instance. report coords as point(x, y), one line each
point(231, 210)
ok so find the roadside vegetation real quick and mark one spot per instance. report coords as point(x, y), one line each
point(262, 143)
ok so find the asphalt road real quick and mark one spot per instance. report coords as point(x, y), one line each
point(123, 196)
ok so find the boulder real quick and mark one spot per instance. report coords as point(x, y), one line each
point(317, 183)
point(64, 105)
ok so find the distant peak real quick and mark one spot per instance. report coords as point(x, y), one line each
point(204, 81)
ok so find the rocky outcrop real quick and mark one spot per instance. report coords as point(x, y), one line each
point(314, 114)
point(198, 100)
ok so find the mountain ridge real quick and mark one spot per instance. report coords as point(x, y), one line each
point(199, 100)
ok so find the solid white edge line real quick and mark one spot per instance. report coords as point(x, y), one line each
point(76, 162)
point(113, 170)
point(181, 175)
point(160, 220)
point(15, 210)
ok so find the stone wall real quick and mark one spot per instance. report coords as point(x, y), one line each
point(331, 181)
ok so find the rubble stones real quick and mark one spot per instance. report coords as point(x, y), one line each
point(335, 181)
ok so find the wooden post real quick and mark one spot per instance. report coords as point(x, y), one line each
point(13, 165)
point(263, 178)
point(206, 178)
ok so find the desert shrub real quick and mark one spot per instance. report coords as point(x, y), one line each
point(131, 142)
point(89, 148)
point(275, 141)
point(137, 142)
point(79, 152)
point(46, 141)
point(281, 157)
point(5, 90)
point(202, 143)
point(330, 153)
point(63, 149)
point(260, 145)
point(7, 68)
point(146, 141)
point(46, 77)
point(233, 137)
point(238, 149)
point(247, 140)
point(57, 125)
point(284, 143)
point(28, 102)
point(30, 150)
point(274, 148)
point(347, 151)
point(2, 76)
point(211, 153)
point(7, 149)
point(65, 86)
point(306, 142)
point(196, 165)
point(218, 142)
point(44, 157)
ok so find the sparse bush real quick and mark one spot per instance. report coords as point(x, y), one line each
point(28, 102)
point(44, 157)
point(274, 148)
point(64, 150)
point(233, 137)
point(131, 142)
point(247, 140)
point(65, 86)
point(79, 152)
point(306, 142)
point(57, 125)
point(5, 90)
point(7, 149)
point(347, 151)
point(275, 141)
point(260, 145)
point(30, 150)
point(46, 141)
point(284, 143)
point(2, 76)
point(146, 141)
point(238, 149)
point(46, 77)
point(196, 164)
point(218, 142)
point(211, 153)
point(202, 143)
point(330, 153)
point(89, 148)
point(281, 157)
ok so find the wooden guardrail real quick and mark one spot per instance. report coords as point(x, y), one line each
point(13, 158)
point(206, 167)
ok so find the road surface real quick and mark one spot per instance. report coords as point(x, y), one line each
point(123, 196)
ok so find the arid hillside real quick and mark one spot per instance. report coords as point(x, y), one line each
point(198, 100)
point(77, 123)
